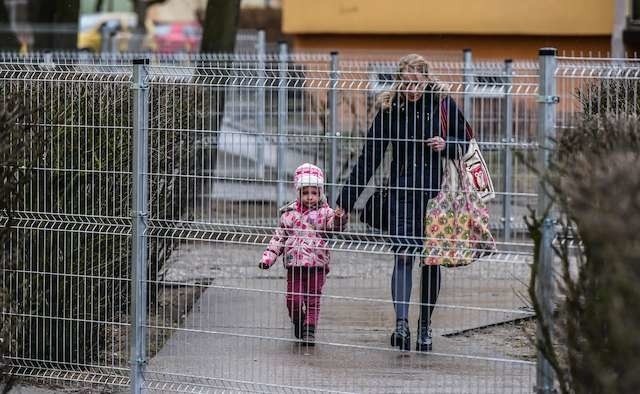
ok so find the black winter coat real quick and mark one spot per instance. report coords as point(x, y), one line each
point(416, 170)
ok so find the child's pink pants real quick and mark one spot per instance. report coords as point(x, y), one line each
point(304, 288)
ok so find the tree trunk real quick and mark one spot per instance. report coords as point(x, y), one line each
point(141, 8)
point(99, 4)
point(218, 36)
point(55, 24)
point(220, 26)
point(8, 39)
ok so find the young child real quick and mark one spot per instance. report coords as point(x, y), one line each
point(302, 238)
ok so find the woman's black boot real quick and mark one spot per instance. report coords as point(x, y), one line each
point(401, 337)
point(424, 342)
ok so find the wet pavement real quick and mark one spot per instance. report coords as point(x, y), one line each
point(238, 335)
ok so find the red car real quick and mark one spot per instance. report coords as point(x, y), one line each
point(178, 37)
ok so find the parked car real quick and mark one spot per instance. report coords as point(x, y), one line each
point(118, 26)
point(92, 25)
point(177, 37)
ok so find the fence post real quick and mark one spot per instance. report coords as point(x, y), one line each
point(139, 199)
point(105, 39)
point(332, 102)
point(545, 285)
point(261, 48)
point(507, 126)
point(283, 112)
point(467, 75)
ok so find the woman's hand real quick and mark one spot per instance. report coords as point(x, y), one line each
point(437, 144)
point(340, 218)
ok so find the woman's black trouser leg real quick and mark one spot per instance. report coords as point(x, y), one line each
point(401, 285)
point(401, 293)
point(429, 290)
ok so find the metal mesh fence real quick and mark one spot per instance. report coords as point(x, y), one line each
point(225, 135)
point(69, 242)
point(241, 309)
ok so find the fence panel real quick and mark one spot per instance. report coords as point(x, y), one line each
point(225, 135)
point(238, 335)
point(65, 265)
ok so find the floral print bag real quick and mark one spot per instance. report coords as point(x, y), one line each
point(456, 224)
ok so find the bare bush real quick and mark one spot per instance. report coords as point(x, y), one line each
point(20, 145)
point(67, 272)
point(594, 178)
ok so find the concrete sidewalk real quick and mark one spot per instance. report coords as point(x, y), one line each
point(238, 336)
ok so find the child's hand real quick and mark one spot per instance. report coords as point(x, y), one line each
point(263, 266)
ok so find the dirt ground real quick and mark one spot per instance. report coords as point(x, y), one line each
point(514, 338)
point(170, 309)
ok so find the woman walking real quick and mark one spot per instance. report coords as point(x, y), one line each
point(408, 120)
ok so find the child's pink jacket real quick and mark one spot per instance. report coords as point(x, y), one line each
point(302, 236)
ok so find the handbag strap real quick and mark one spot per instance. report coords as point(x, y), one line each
point(463, 181)
point(444, 120)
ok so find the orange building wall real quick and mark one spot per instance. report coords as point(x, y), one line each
point(482, 46)
point(491, 28)
point(505, 17)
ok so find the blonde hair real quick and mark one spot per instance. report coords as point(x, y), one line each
point(410, 62)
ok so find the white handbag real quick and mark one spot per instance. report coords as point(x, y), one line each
point(474, 164)
point(476, 169)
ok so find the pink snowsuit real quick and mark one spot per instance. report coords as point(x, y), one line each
point(302, 238)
